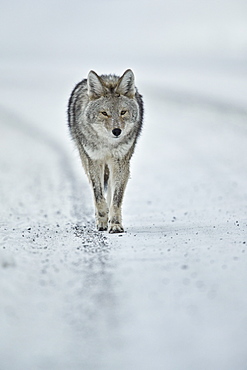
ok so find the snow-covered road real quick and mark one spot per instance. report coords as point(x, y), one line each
point(170, 293)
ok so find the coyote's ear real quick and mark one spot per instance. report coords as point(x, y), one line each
point(126, 84)
point(94, 86)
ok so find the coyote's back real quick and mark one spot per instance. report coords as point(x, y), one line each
point(105, 115)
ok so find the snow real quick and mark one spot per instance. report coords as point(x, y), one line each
point(171, 291)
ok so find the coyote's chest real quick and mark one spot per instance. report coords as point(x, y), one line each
point(105, 149)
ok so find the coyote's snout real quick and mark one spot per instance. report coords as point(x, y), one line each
point(116, 132)
point(105, 116)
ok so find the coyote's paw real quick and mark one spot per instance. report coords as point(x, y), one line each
point(101, 228)
point(102, 224)
point(115, 228)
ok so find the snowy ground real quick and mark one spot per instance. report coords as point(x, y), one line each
point(170, 293)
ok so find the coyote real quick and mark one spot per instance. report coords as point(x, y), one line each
point(105, 115)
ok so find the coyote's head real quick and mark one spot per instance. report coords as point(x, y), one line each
point(112, 110)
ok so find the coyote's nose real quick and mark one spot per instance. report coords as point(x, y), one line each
point(116, 132)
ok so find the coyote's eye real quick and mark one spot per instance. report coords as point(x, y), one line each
point(104, 113)
point(123, 112)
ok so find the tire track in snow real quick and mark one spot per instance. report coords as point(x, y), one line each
point(197, 99)
point(225, 120)
point(10, 118)
point(55, 264)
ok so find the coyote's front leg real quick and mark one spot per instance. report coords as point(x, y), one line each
point(119, 175)
point(96, 174)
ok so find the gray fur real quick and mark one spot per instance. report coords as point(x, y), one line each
point(105, 115)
